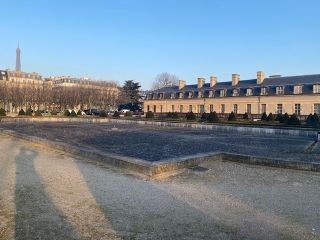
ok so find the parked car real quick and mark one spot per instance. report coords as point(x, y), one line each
point(92, 111)
point(124, 110)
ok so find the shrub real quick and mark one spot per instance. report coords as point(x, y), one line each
point(169, 115)
point(66, 113)
point(2, 112)
point(116, 114)
point(232, 117)
point(53, 112)
point(190, 116)
point(128, 114)
point(264, 117)
point(245, 116)
point(29, 112)
point(175, 115)
point(270, 117)
point(21, 112)
point(312, 120)
point(79, 113)
point(73, 114)
point(204, 117)
point(103, 113)
point(213, 117)
point(279, 117)
point(293, 120)
point(38, 113)
point(149, 114)
point(285, 118)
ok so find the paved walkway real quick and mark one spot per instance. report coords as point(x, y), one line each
point(48, 195)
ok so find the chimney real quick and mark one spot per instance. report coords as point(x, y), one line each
point(260, 77)
point(213, 81)
point(235, 79)
point(182, 84)
point(200, 82)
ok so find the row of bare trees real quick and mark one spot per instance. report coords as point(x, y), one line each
point(14, 97)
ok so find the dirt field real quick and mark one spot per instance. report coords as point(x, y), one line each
point(49, 195)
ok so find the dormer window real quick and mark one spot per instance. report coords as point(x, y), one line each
point(249, 92)
point(172, 95)
point(160, 95)
point(235, 92)
point(280, 90)
point(222, 93)
point(200, 94)
point(190, 95)
point(263, 91)
point(316, 88)
point(297, 89)
point(210, 94)
point(181, 95)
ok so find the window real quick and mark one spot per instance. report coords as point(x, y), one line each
point(235, 92)
point(154, 108)
point(263, 91)
point(249, 108)
point(190, 108)
point(181, 95)
point(148, 108)
point(279, 90)
point(210, 94)
point(172, 108)
point(317, 108)
point(202, 108)
point(235, 108)
point(263, 108)
point(161, 110)
point(161, 96)
point(223, 108)
point(279, 109)
point(172, 95)
point(249, 92)
point(211, 107)
point(190, 94)
point(297, 109)
point(200, 95)
point(222, 93)
point(297, 89)
point(316, 88)
point(181, 108)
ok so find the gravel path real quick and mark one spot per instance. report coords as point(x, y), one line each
point(49, 195)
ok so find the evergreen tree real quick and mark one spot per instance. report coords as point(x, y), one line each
point(294, 120)
point(264, 117)
point(270, 117)
point(232, 117)
point(213, 117)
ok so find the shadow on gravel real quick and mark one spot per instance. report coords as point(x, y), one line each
point(138, 209)
point(36, 216)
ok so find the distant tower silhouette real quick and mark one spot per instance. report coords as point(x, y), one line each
point(18, 62)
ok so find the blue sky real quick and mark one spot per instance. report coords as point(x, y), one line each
point(138, 39)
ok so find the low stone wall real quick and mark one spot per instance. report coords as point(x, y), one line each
point(310, 133)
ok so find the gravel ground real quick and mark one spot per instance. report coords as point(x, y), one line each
point(154, 144)
point(50, 195)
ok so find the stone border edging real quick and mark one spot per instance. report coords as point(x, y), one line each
point(163, 167)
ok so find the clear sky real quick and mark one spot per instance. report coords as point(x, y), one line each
point(138, 39)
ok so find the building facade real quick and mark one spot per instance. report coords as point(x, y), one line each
point(274, 94)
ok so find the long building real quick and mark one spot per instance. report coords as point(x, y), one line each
point(273, 94)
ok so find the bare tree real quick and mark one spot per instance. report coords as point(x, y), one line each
point(165, 80)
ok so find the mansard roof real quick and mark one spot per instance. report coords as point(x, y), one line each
point(270, 82)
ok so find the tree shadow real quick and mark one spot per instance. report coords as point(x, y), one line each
point(36, 215)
